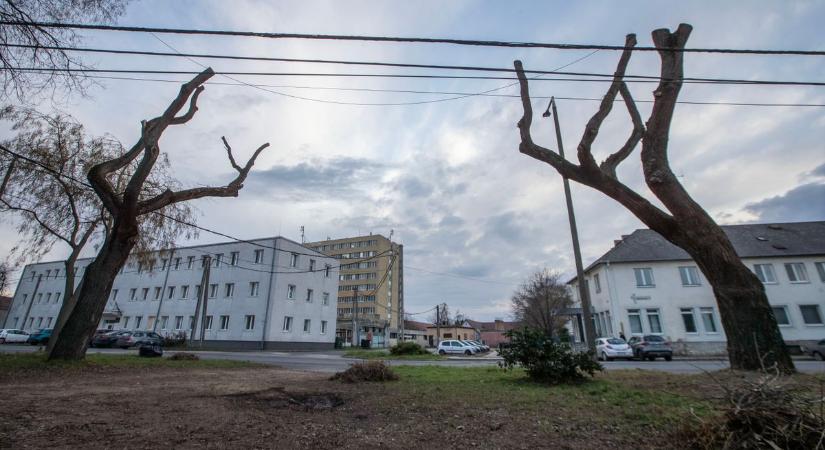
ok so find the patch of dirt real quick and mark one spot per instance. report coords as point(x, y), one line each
point(278, 397)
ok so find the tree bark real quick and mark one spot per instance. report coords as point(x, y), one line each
point(754, 341)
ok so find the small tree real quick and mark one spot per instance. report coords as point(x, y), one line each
point(127, 207)
point(441, 316)
point(751, 329)
point(539, 303)
point(546, 360)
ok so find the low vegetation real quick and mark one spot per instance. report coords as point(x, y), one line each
point(21, 363)
point(408, 348)
point(545, 360)
point(366, 371)
point(184, 356)
point(383, 354)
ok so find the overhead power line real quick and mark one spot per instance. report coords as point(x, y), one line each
point(397, 39)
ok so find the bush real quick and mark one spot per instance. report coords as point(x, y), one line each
point(175, 339)
point(545, 360)
point(183, 356)
point(366, 371)
point(408, 348)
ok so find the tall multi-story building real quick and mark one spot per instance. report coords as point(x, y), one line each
point(372, 266)
point(269, 293)
point(646, 285)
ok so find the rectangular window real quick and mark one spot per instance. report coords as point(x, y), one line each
point(635, 319)
point(157, 293)
point(190, 262)
point(597, 283)
point(164, 322)
point(163, 264)
point(177, 263)
point(233, 258)
point(253, 289)
point(309, 295)
point(690, 275)
point(198, 292)
point(327, 269)
point(781, 314)
point(126, 322)
point(213, 290)
point(312, 265)
point(644, 277)
point(249, 323)
point(138, 319)
point(796, 272)
point(307, 325)
point(49, 297)
point(204, 260)
point(811, 314)
point(218, 259)
point(39, 322)
point(287, 324)
point(259, 256)
point(184, 291)
point(653, 320)
point(145, 293)
point(326, 298)
point(39, 297)
point(229, 290)
point(820, 269)
point(224, 323)
point(323, 327)
point(57, 297)
point(114, 295)
point(170, 292)
point(178, 322)
point(293, 260)
point(765, 273)
point(708, 320)
point(49, 323)
point(290, 292)
point(689, 320)
point(208, 324)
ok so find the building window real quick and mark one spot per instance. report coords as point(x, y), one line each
point(259, 256)
point(138, 319)
point(178, 322)
point(327, 269)
point(781, 315)
point(287, 324)
point(820, 268)
point(323, 327)
point(126, 322)
point(708, 320)
point(157, 292)
point(132, 294)
point(57, 297)
point(312, 265)
point(811, 314)
point(635, 319)
point(689, 320)
point(213, 290)
point(177, 263)
point(653, 320)
point(307, 325)
point(796, 272)
point(198, 292)
point(48, 297)
point(224, 323)
point(253, 289)
point(39, 322)
point(170, 292)
point(190, 262)
point(218, 258)
point(597, 283)
point(163, 264)
point(114, 295)
point(325, 298)
point(765, 273)
point(644, 277)
point(293, 260)
point(690, 276)
point(229, 289)
point(208, 324)
point(290, 292)
point(164, 322)
point(233, 258)
point(39, 298)
point(184, 291)
point(145, 293)
point(309, 295)
point(249, 323)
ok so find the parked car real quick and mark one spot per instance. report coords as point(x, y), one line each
point(609, 348)
point(476, 348)
point(651, 346)
point(452, 346)
point(9, 336)
point(484, 348)
point(107, 339)
point(137, 338)
point(40, 336)
point(817, 351)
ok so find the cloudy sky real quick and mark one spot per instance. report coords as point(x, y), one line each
point(475, 216)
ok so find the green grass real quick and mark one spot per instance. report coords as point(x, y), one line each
point(384, 354)
point(11, 363)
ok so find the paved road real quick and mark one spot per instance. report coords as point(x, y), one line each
point(333, 361)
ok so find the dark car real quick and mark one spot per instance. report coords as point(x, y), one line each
point(40, 336)
point(137, 338)
point(107, 339)
point(650, 347)
point(817, 351)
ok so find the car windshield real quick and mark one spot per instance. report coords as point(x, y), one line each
point(616, 341)
point(654, 339)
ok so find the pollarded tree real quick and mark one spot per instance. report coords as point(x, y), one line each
point(127, 206)
point(753, 337)
point(541, 301)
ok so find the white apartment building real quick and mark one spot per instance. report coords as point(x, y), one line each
point(646, 285)
point(270, 293)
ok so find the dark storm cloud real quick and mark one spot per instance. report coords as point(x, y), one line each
point(802, 203)
point(337, 177)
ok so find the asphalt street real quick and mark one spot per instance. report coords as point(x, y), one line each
point(334, 361)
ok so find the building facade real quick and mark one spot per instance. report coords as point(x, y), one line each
point(646, 285)
point(263, 294)
point(372, 266)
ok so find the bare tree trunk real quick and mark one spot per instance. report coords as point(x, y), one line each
point(753, 337)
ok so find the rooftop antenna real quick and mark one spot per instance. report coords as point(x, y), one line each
point(391, 233)
point(303, 240)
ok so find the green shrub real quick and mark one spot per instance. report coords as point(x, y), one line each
point(366, 371)
point(546, 360)
point(408, 348)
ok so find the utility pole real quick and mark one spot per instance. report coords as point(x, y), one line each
point(355, 316)
point(584, 295)
point(31, 301)
point(207, 263)
point(437, 325)
point(163, 290)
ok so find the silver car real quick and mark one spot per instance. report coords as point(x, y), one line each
point(608, 349)
point(13, 335)
point(453, 346)
point(817, 351)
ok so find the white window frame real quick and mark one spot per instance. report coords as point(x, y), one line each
point(797, 273)
point(178, 322)
point(658, 314)
point(254, 287)
point(641, 274)
point(307, 326)
point(224, 324)
point(290, 292)
point(208, 324)
point(233, 258)
point(759, 270)
point(323, 327)
point(692, 311)
point(249, 322)
point(287, 324)
point(597, 285)
point(703, 312)
point(310, 295)
point(787, 315)
point(259, 256)
point(325, 299)
point(293, 260)
point(213, 290)
point(184, 291)
point(820, 269)
point(819, 313)
point(690, 276)
point(635, 312)
point(229, 290)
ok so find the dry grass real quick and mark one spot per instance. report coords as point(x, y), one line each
point(366, 371)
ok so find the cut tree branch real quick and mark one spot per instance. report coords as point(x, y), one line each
point(609, 165)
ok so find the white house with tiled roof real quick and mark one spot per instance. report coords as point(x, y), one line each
point(646, 285)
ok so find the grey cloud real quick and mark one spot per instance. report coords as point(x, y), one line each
point(817, 172)
point(332, 178)
point(802, 203)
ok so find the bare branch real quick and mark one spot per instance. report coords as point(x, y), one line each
point(609, 165)
point(229, 153)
